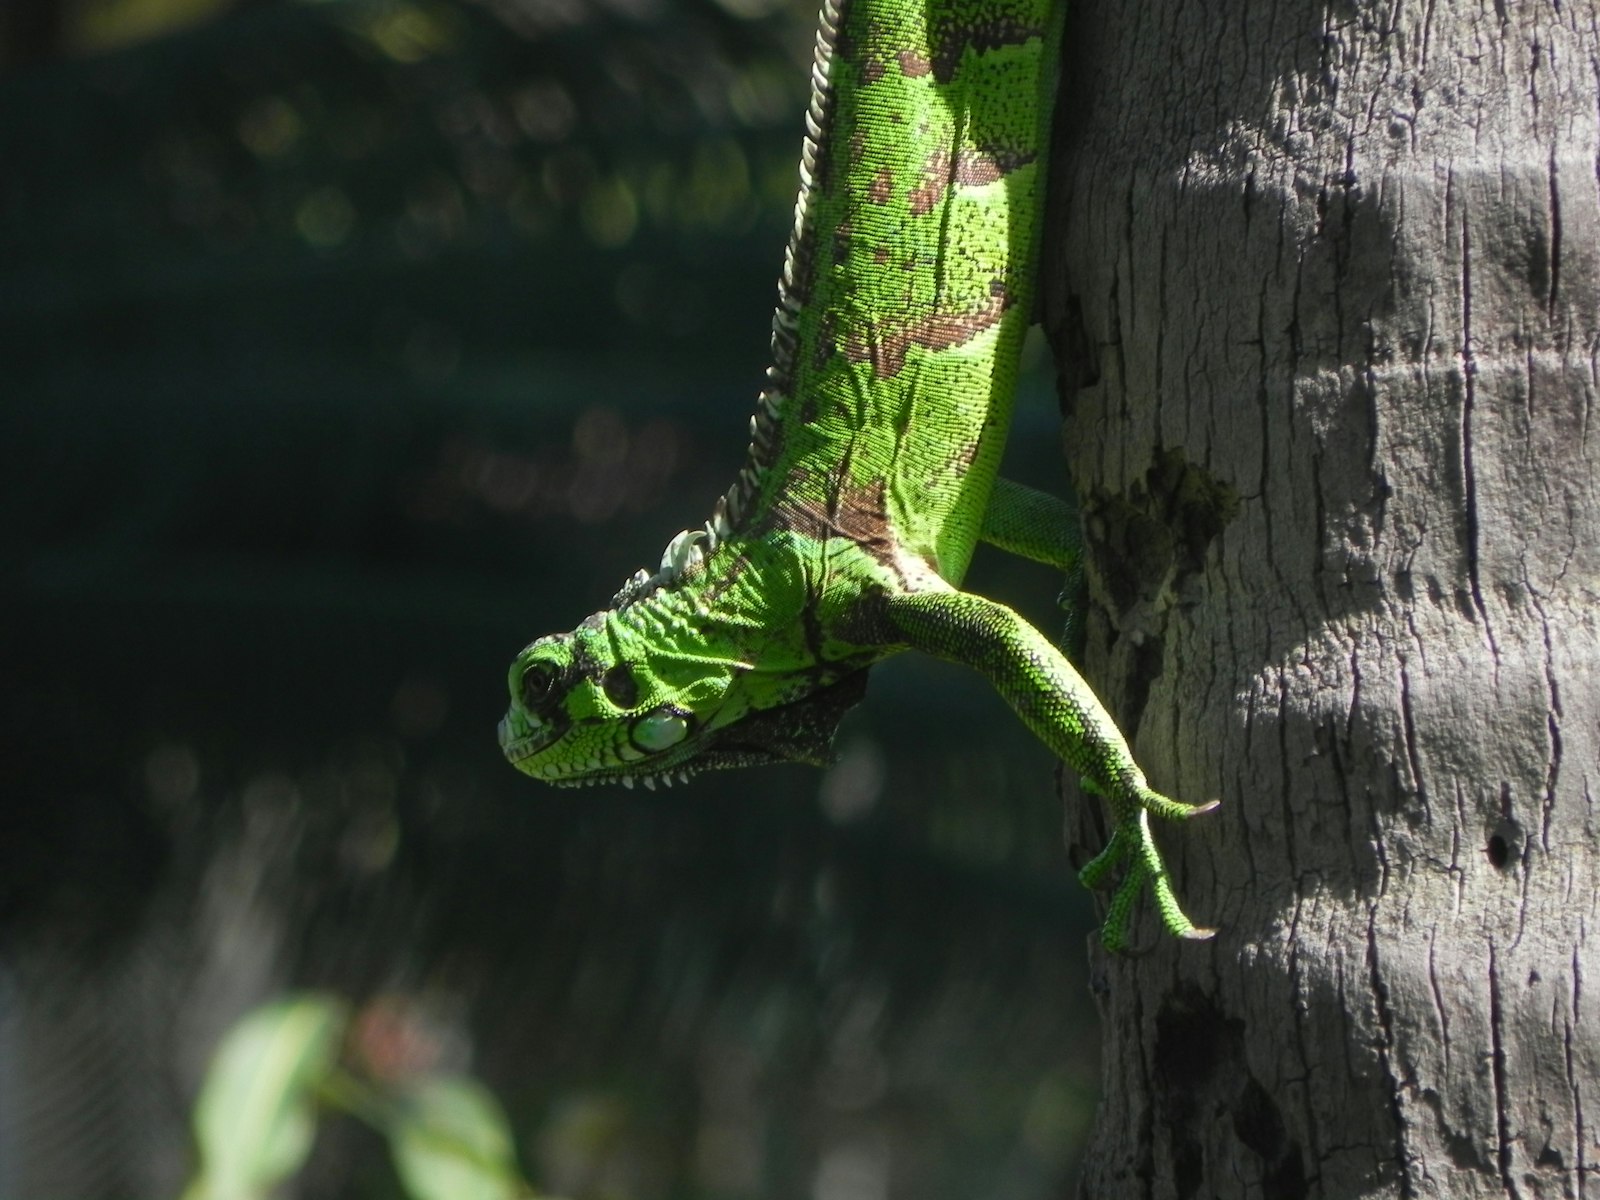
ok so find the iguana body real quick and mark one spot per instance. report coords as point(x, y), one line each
point(872, 472)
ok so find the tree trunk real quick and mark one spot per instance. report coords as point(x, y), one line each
point(1325, 285)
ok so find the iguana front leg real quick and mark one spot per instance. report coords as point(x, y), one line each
point(1053, 700)
point(1036, 525)
point(1032, 524)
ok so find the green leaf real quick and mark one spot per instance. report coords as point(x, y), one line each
point(453, 1142)
point(254, 1120)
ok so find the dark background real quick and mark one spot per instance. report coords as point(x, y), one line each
point(345, 347)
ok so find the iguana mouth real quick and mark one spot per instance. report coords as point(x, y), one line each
point(800, 731)
point(516, 748)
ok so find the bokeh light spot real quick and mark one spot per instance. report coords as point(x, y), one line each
point(325, 218)
point(610, 214)
point(270, 127)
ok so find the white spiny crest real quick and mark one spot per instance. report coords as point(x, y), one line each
point(783, 341)
point(632, 590)
point(686, 550)
point(760, 435)
point(718, 525)
point(690, 548)
point(682, 552)
point(802, 231)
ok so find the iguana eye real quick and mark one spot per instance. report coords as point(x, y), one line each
point(619, 686)
point(538, 686)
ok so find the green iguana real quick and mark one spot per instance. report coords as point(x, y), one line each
point(874, 453)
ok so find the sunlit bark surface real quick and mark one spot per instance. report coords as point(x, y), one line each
point(1325, 292)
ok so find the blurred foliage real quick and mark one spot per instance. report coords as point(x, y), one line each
point(348, 346)
point(280, 1066)
point(255, 1117)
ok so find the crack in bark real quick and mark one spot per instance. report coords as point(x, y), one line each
point(1461, 823)
point(1438, 1001)
point(1380, 999)
point(1297, 989)
point(1469, 479)
point(1497, 1067)
point(1552, 722)
point(1555, 236)
point(1577, 1088)
point(1147, 1134)
point(1408, 725)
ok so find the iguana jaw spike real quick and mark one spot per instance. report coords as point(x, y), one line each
point(665, 779)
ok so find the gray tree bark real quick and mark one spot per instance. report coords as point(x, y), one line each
point(1324, 280)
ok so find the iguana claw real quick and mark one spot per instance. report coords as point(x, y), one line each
point(1132, 842)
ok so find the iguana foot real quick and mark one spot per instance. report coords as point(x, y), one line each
point(1131, 843)
point(1055, 702)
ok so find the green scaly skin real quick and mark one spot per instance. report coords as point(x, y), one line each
point(873, 463)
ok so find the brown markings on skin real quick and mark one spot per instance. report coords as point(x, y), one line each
point(841, 241)
point(989, 34)
point(881, 190)
point(858, 146)
point(855, 512)
point(825, 348)
point(972, 168)
point(913, 65)
point(926, 193)
point(720, 585)
point(880, 255)
point(961, 461)
point(860, 514)
point(872, 70)
point(886, 344)
point(844, 42)
point(866, 623)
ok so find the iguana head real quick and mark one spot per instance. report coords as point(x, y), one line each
point(656, 689)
